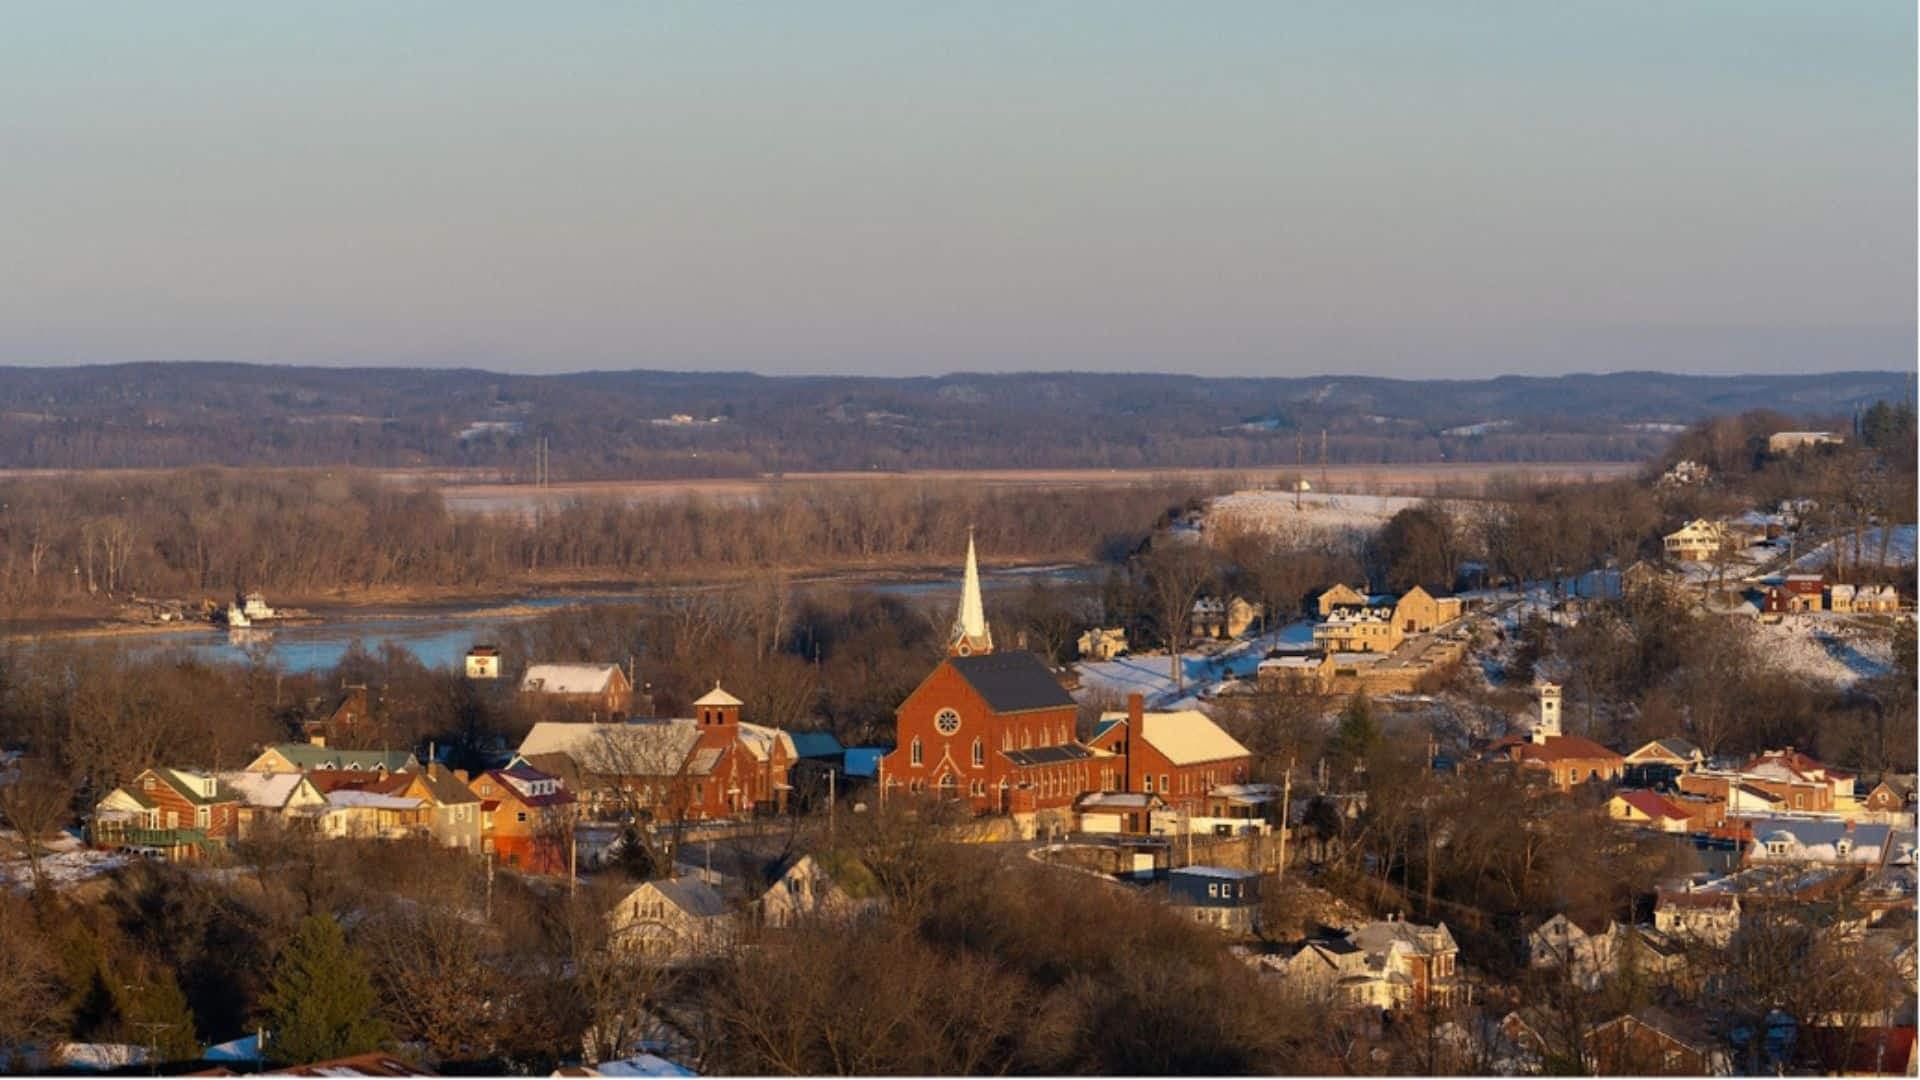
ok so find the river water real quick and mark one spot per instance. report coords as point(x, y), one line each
point(442, 638)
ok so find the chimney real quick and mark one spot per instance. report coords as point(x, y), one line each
point(1136, 719)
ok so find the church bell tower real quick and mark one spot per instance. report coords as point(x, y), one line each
point(971, 635)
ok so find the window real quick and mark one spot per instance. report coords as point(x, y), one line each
point(520, 816)
point(915, 751)
point(946, 721)
point(979, 753)
point(1213, 889)
point(1165, 788)
point(200, 819)
point(1148, 785)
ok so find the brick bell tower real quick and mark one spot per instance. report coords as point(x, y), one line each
point(971, 636)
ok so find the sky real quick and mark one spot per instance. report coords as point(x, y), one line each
point(1284, 188)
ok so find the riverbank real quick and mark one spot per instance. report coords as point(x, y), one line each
point(539, 594)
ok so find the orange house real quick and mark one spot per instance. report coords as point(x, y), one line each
point(525, 818)
point(1179, 756)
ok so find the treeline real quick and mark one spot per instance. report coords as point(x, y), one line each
point(621, 424)
point(69, 543)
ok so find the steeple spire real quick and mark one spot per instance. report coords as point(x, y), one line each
point(970, 632)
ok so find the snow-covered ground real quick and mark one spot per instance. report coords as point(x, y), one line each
point(1824, 648)
point(1273, 511)
point(67, 861)
point(1150, 674)
point(1900, 546)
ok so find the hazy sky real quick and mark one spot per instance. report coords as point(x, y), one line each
point(1269, 187)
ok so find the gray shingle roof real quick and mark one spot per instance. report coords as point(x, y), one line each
point(1012, 681)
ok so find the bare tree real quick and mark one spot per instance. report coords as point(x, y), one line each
point(1176, 573)
point(36, 803)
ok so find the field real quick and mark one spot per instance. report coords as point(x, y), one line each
point(1404, 480)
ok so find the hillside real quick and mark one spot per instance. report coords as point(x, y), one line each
point(650, 423)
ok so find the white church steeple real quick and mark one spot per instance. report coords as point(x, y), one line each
point(971, 635)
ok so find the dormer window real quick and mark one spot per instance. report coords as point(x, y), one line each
point(1842, 846)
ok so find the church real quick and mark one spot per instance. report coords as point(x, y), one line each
point(993, 728)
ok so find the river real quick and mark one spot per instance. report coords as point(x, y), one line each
point(441, 638)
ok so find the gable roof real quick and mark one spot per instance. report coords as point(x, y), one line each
point(1564, 748)
point(1186, 737)
point(691, 895)
point(267, 791)
point(567, 678)
point(1012, 682)
point(1651, 804)
point(717, 698)
point(1670, 747)
point(305, 756)
point(193, 786)
point(640, 748)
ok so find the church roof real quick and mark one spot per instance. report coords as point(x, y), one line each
point(1048, 755)
point(1012, 681)
point(717, 697)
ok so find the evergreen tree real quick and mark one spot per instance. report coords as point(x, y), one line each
point(154, 1013)
point(1358, 734)
point(322, 1003)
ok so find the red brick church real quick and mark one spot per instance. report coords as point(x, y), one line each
point(993, 728)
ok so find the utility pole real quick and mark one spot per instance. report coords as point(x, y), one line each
point(829, 807)
point(1286, 801)
point(573, 860)
point(1299, 466)
point(1323, 459)
point(489, 886)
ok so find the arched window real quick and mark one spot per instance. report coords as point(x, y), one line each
point(916, 758)
point(979, 753)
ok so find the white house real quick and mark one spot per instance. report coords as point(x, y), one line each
point(675, 920)
point(833, 889)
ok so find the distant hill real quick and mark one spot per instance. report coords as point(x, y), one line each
point(654, 423)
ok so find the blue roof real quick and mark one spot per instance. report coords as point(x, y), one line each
point(864, 761)
point(814, 744)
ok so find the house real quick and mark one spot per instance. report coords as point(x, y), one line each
point(1329, 970)
point(711, 765)
point(1568, 760)
point(1839, 597)
point(1882, 599)
point(1219, 896)
point(1117, 812)
point(303, 757)
point(995, 729)
point(1410, 966)
point(1650, 810)
point(1823, 841)
point(1740, 797)
point(1213, 617)
point(1889, 797)
point(1789, 442)
point(1804, 592)
point(360, 813)
point(452, 815)
point(349, 724)
point(1654, 1042)
point(1677, 753)
point(525, 818)
point(1803, 781)
point(830, 887)
point(483, 662)
point(1358, 630)
point(602, 691)
point(1879, 1050)
point(272, 797)
point(673, 920)
point(178, 813)
point(1180, 756)
point(1103, 643)
point(1698, 540)
point(1341, 595)
point(1583, 948)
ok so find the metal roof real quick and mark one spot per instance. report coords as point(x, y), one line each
point(1047, 755)
point(1012, 681)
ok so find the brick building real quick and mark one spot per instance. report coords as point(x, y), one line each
point(993, 728)
point(1179, 756)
